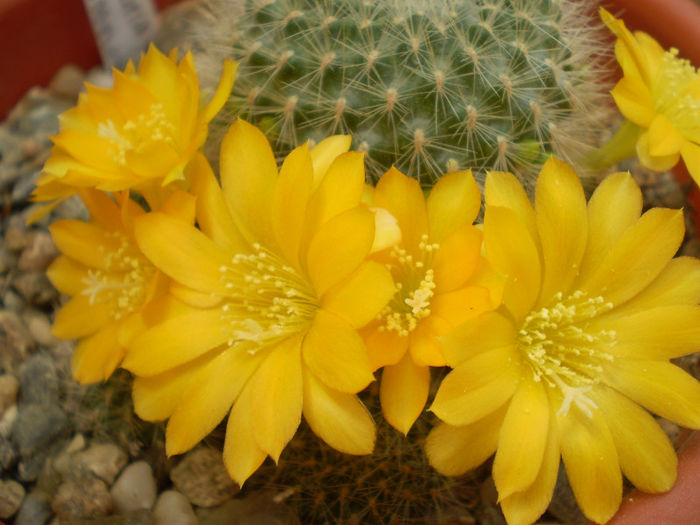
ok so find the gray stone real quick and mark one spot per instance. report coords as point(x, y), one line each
point(68, 82)
point(39, 253)
point(84, 499)
point(104, 460)
point(35, 287)
point(25, 185)
point(35, 509)
point(173, 508)
point(8, 454)
point(39, 425)
point(39, 380)
point(9, 385)
point(11, 300)
point(202, 477)
point(15, 340)
point(135, 488)
point(139, 517)
point(11, 496)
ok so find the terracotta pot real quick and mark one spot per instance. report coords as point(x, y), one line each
point(38, 37)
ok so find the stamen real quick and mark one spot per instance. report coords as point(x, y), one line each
point(267, 300)
point(563, 352)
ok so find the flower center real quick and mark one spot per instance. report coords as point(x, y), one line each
point(124, 280)
point(677, 94)
point(267, 301)
point(136, 135)
point(563, 352)
point(415, 287)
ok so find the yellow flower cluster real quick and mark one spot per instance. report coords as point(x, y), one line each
point(280, 291)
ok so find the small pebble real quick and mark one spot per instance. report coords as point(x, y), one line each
point(68, 82)
point(11, 496)
point(8, 420)
point(84, 499)
point(35, 288)
point(135, 488)
point(8, 454)
point(15, 340)
point(39, 327)
point(173, 508)
point(202, 477)
point(9, 386)
point(39, 253)
point(39, 379)
point(104, 460)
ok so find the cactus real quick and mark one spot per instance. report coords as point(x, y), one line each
point(426, 85)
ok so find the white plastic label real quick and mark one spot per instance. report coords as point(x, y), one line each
point(122, 28)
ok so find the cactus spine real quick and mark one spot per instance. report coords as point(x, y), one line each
point(426, 85)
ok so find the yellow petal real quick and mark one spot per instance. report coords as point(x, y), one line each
point(386, 230)
point(521, 445)
point(691, 156)
point(634, 100)
point(79, 318)
point(403, 393)
point(339, 247)
point(248, 177)
point(192, 297)
point(461, 305)
point(336, 354)
point(290, 202)
point(208, 398)
point(180, 205)
point(562, 223)
point(638, 257)
point(403, 198)
point(614, 206)
point(455, 200)
point(385, 347)
point(104, 212)
point(339, 190)
point(276, 392)
point(87, 148)
point(646, 455)
point(213, 216)
point(223, 89)
point(423, 342)
point(626, 42)
point(176, 341)
point(181, 251)
point(457, 258)
point(156, 397)
point(504, 189)
point(454, 450)
point(341, 420)
point(528, 505)
point(67, 275)
point(95, 357)
point(511, 250)
point(663, 137)
point(659, 333)
point(660, 163)
point(659, 386)
point(477, 387)
point(489, 331)
point(242, 455)
point(361, 297)
point(677, 284)
point(589, 454)
point(325, 152)
point(85, 243)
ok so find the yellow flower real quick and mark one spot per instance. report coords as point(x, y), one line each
point(139, 134)
point(593, 309)
point(276, 285)
point(109, 280)
point(440, 282)
point(660, 94)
